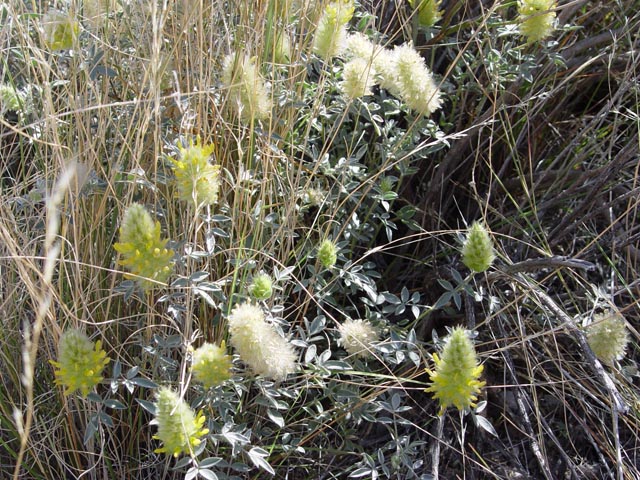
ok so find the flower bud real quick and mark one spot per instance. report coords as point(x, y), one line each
point(608, 337)
point(428, 13)
point(477, 250)
point(327, 253)
point(262, 287)
point(211, 365)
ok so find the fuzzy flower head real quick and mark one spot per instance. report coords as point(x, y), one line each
point(357, 337)
point(196, 179)
point(408, 77)
point(536, 18)
point(210, 364)
point(60, 30)
point(428, 13)
point(10, 98)
point(455, 380)
point(258, 343)
point(358, 45)
point(247, 90)
point(282, 50)
point(179, 428)
point(331, 33)
point(608, 337)
point(80, 362)
point(327, 253)
point(358, 78)
point(477, 250)
point(262, 287)
point(143, 252)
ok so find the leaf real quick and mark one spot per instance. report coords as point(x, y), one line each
point(209, 462)
point(317, 325)
point(208, 474)
point(115, 404)
point(310, 354)
point(257, 456)
point(444, 299)
point(198, 276)
point(144, 383)
point(337, 365)
point(148, 406)
point(485, 424)
point(276, 417)
point(191, 473)
point(361, 472)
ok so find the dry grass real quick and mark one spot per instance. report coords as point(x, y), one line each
point(549, 159)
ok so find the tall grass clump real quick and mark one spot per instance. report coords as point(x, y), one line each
point(234, 242)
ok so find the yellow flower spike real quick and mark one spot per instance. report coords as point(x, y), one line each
point(60, 30)
point(179, 428)
point(80, 362)
point(197, 180)
point(143, 251)
point(331, 34)
point(428, 13)
point(455, 377)
point(536, 18)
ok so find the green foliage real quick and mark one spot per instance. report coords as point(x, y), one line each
point(200, 145)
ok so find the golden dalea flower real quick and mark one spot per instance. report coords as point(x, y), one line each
point(80, 362)
point(10, 98)
point(327, 253)
point(258, 343)
point(143, 252)
point(197, 180)
point(408, 77)
point(428, 13)
point(179, 428)
point(455, 378)
point(60, 30)
point(358, 45)
point(262, 287)
point(282, 48)
point(536, 18)
point(477, 251)
point(331, 33)
point(358, 78)
point(247, 90)
point(210, 364)
point(608, 337)
point(357, 337)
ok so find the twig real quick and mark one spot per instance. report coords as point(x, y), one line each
point(546, 262)
point(435, 452)
point(618, 401)
point(520, 401)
